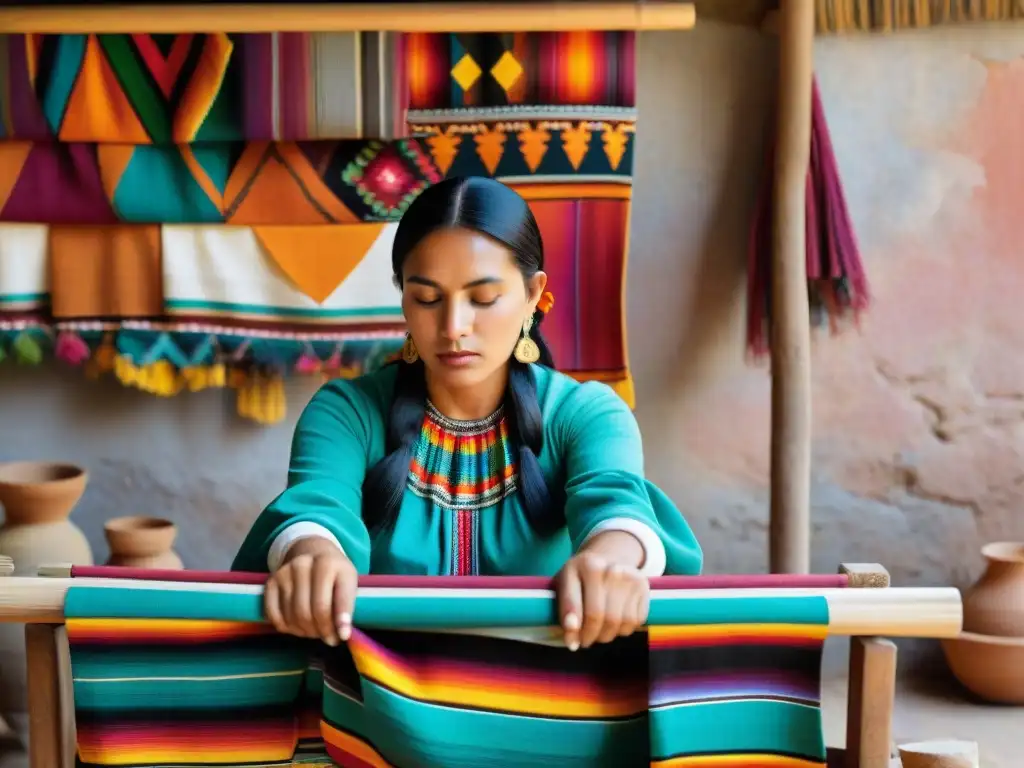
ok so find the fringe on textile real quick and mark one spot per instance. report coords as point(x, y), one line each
point(836, 283)
point(841, 16)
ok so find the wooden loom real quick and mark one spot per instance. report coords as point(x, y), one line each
point(861, 603)
point(789, 535)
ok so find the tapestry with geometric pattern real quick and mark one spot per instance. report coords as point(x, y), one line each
point(210, 210)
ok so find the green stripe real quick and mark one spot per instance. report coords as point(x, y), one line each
point(752, 726)
point(184, 661)
point(57, 89)
point(148, 103)
point(22, 298)
point(416, 612)
point(242, 694)
point(226, 307)
point(414, 733)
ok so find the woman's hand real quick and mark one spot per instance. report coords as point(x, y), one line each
point(602, 594)
point(313, 593)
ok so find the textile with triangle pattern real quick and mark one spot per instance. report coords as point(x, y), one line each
point(210, 210)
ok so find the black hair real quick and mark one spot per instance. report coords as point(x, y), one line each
point(489, 207)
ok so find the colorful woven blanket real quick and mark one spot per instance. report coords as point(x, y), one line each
point(193, 211)
point(439, 678)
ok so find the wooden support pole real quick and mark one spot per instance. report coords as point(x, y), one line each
point(789, 535)
point(51, 715)
point(870, 703)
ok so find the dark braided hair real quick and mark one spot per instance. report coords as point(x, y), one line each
point(486, 206)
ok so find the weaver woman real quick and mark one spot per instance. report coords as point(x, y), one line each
point(470, 455)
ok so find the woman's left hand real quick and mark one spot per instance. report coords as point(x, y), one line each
point(600, 598)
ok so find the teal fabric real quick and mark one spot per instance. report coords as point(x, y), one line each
point(592, 446)
point(435, 611)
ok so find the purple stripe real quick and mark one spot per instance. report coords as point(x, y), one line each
point(257, 79)
point(627, 71)
point(25, 112)
point(59, 184)
point(764, 682)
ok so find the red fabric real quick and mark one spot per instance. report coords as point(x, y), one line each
point(754, 581)
point(836, 281)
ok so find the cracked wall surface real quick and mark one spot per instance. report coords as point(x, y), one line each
point(918, 418)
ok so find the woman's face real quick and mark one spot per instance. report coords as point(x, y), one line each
point(465, 302)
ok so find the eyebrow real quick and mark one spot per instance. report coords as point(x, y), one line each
point(472, 284)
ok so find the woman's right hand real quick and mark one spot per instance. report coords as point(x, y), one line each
point(313, 593)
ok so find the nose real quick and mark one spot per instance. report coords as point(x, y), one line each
point(458, 321)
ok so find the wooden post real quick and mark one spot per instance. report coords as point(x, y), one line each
point(789, 535)
point(871, 699)
point(51, 716)
point(870, 702)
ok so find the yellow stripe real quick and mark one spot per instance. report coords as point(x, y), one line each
point(350, 745)
point(481, 693)
point(545, 191)
point(107, 755)
point(168, 626)
point(735, 761)
point(192, 678)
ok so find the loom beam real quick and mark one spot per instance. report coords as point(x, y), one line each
point(790, 524)
point(178, 18)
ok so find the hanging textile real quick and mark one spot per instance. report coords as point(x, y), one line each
point(836, 282)
point(189, 676)
point(217, 210)
point(554, 115)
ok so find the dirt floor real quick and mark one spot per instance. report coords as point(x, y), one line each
point(924, 710)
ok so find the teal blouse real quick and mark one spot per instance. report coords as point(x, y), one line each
point(461, 512)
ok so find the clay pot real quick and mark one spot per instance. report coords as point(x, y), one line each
point(992, 668)
point(37, 498)
point(994, 605)
point(142, 542)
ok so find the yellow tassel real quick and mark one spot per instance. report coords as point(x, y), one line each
point(262, 399)
point(217, 375)
point(164, 379)
point(125, 371)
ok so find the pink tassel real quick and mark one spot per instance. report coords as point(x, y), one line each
point(307, 364)
point(71, 348)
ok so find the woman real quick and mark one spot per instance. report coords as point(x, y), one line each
point(471, 454)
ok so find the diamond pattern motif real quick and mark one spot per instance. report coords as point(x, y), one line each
point(466, 72)
point(507, 71)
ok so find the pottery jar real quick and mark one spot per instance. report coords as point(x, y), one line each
point(994, 605)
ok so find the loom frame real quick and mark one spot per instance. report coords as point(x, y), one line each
point(51, 715)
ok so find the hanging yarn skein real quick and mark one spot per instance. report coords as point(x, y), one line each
point(837, 285)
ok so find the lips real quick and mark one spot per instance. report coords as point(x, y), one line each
point(458, 358)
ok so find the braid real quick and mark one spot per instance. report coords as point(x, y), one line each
point(384, 486)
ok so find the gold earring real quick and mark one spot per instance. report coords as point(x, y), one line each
point(526, 350)
point(409, 352)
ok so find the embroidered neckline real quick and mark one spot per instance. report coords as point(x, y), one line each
point(465, 427)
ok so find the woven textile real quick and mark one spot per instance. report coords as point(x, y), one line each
point(216, 210)
point(183, 677)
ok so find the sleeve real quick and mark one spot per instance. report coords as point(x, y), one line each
point(606, 488)
point(325, 481)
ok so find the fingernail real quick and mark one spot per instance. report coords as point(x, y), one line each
point(571, 621)
point(574, 645)
point(332, 641)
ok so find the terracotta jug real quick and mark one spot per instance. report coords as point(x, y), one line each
point(142, 542)
point(37, 498)
point(994, 605)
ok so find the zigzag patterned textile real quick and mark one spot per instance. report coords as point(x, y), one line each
point(209, 210)
point(191, 677)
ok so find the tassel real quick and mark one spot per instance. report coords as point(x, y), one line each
point(262, 399)
point(71, 348)
point(308, 364)
point(26, 349)
point(836, 282)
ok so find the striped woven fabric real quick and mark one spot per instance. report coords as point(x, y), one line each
point(190, 677)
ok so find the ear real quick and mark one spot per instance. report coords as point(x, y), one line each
point(535, 288)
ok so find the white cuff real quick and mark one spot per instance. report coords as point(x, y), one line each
point(290, 535)
point(654, 549)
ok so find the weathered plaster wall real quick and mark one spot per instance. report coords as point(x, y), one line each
point(918, 419)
